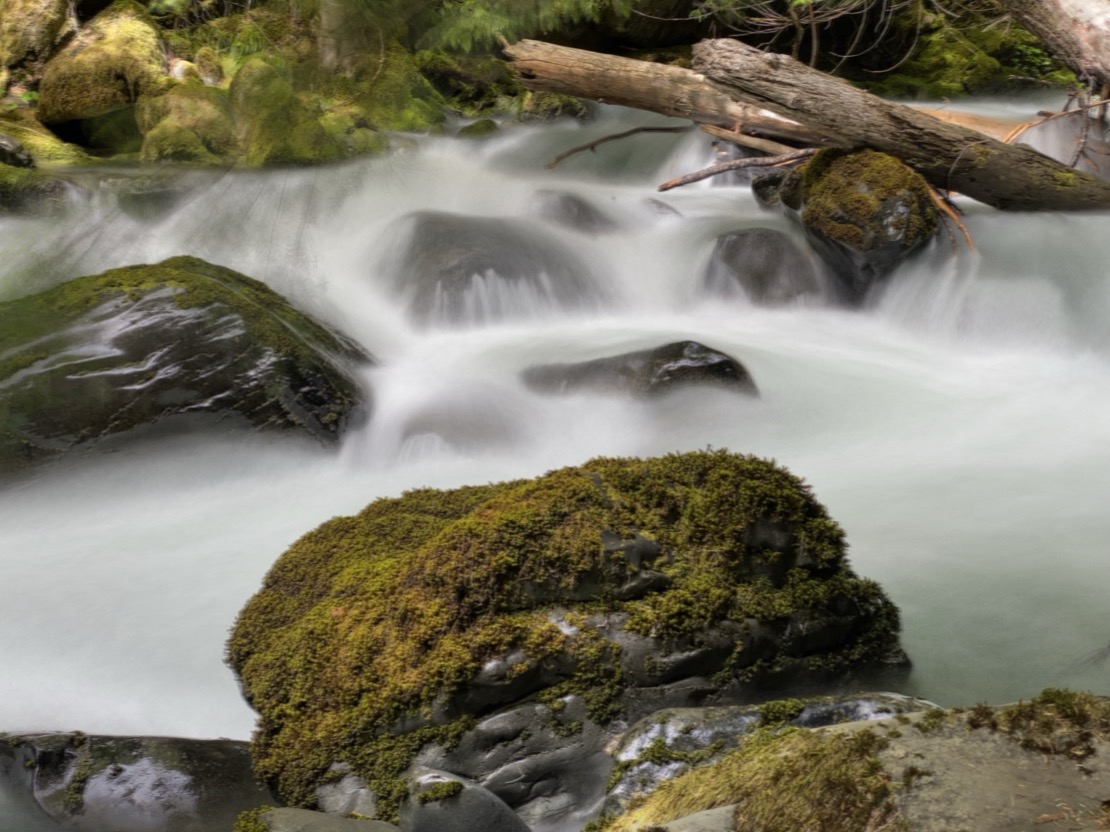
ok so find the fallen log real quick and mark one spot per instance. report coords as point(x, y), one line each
point(950, 157)
point(734, 84)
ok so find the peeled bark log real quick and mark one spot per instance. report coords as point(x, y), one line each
point(1077, 32)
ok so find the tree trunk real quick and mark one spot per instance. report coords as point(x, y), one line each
point(659, 88)
point(950, 157)
point(1077, 32)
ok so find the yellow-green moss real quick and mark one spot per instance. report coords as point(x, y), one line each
point(45, 148)
point(29, 191)
point(190, 123)
point(29, 29)
point(251, 820)
point(783, 782)
point(376, 618)
point(844, 191)
point(116, 58)
point(440, 791)
point(1056, 722)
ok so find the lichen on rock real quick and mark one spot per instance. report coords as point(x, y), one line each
point(613, 584)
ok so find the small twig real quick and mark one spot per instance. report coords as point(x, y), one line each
point(1010, 137)
point(754, 142)
point(948, 211)
point(591, 146)
point(736, 164)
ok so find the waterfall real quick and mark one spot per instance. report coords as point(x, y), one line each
point(956, 426)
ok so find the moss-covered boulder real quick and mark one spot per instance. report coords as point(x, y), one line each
point(114, 59)
point(98, 356)
point(995, 769)
point(138, 784)
point(590, 594)
point(31, 29)
point(273, 125)
point(472, 85)
point(395, 94)
point(188, 123)
point(863, 212)
point(44, 147)
point(645, 373)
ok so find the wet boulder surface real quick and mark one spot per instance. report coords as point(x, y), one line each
point(99, 356)
point(863, 212)
point(458, 270)
point(501, 632)
point(765, 266)
point(645, 373)
point(133, 784)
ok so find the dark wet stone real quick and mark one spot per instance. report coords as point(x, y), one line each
point(135, 784)
point(13, 153)
point(645, 373)
point(455, 269)
point(763, 264)
point(464, 807)
point(101, 355)
point(574, 212)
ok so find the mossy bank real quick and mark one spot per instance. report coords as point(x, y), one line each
point(614, 583)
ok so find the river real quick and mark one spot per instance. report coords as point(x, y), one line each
point(958, 427)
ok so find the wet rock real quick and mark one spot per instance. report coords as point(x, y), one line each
point(454, 269)
point(101, 355)
point(864, 213)
point(134, 784)
point(29, 192)
point(14, 154)
point(113, 60)
point(764, 265)
point(990, 769)
point(533, 619)
point(443, 802)
point(573, 212)
point(645, 373)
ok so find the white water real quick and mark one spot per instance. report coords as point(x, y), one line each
point(958, 429)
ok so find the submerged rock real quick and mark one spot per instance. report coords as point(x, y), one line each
point(645, 373)
point(573, 212)
point(137, 784)
point(455, 269)
point(30, 192)
point(100, 355)
point(863, 212)
point(553, 608)
point(762, 264)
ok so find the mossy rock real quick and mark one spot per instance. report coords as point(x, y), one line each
point(30, 192)
point(395, 94)
point(188, 123)
point(45, 148)
point(548, 106)
point(273, 125)
point(31, 29)
point(100, 355)
point(115, 58)
point(377, 634)
point(864, 213)
point(968, 54)
point(472, 86)
point(483, 128)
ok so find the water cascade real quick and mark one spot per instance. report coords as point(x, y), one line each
point(956, 426)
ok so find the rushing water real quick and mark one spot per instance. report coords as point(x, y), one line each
point(958, 428)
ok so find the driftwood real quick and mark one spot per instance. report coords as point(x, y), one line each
point(734, 85)
point(1075, 31)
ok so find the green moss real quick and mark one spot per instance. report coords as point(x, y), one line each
point(1058, 722)
point(45, 148)
point(29, 191)
point(784, 782)
point(440, 791)
point(116, 58)
point(1065, 178)
point(780, 711)
point(374, 619)
point(251, 820)
point(472, 86)
point(395, 94)
point(933, 720)
point(190, 123)
point(844, 191)
point(481, 129)
point(660, 754)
